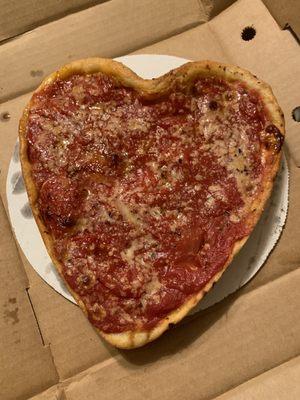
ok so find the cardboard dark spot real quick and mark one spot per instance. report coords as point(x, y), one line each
point(5, 116)
point(12, 300)
point(11, 316)
point(26, 211)
point(35, 73)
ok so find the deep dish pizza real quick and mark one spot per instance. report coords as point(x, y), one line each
point(144, 190)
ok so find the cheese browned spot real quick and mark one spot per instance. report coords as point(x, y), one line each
point(145, 198)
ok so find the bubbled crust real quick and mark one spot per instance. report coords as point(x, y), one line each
point(180, 77)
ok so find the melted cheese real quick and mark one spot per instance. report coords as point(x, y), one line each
point(153, 286)
point(128, 254)
point(126, 213)
point(151, 175)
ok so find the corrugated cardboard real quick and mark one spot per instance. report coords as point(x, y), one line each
point(110, 29)
point(243, 348)
point(277, 384)
point(20, 16)
point(24, 357)
point(286, 13)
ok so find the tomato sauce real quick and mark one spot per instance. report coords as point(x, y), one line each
point(144, 199)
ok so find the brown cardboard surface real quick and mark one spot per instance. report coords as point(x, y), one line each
point(75, 345)
point(25, 361)
point(55, 393)
point(205, 45)
point(286, 13)
point(280, 383)
point(110, 29)
point(20, 16)
point(214, 7)
point(231, 345)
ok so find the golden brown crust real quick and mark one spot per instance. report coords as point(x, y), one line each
point(183, 75)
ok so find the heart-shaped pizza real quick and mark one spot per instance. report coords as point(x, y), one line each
point(144, 190)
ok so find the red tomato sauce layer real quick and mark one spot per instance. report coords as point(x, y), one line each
point(144, 199)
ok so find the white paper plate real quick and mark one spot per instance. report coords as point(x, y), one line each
point(243, 268)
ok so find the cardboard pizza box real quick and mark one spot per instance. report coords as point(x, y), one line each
point(247, 346)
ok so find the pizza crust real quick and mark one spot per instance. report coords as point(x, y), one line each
point(181, 76)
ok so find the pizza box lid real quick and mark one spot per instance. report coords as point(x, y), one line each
point(244, 347)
